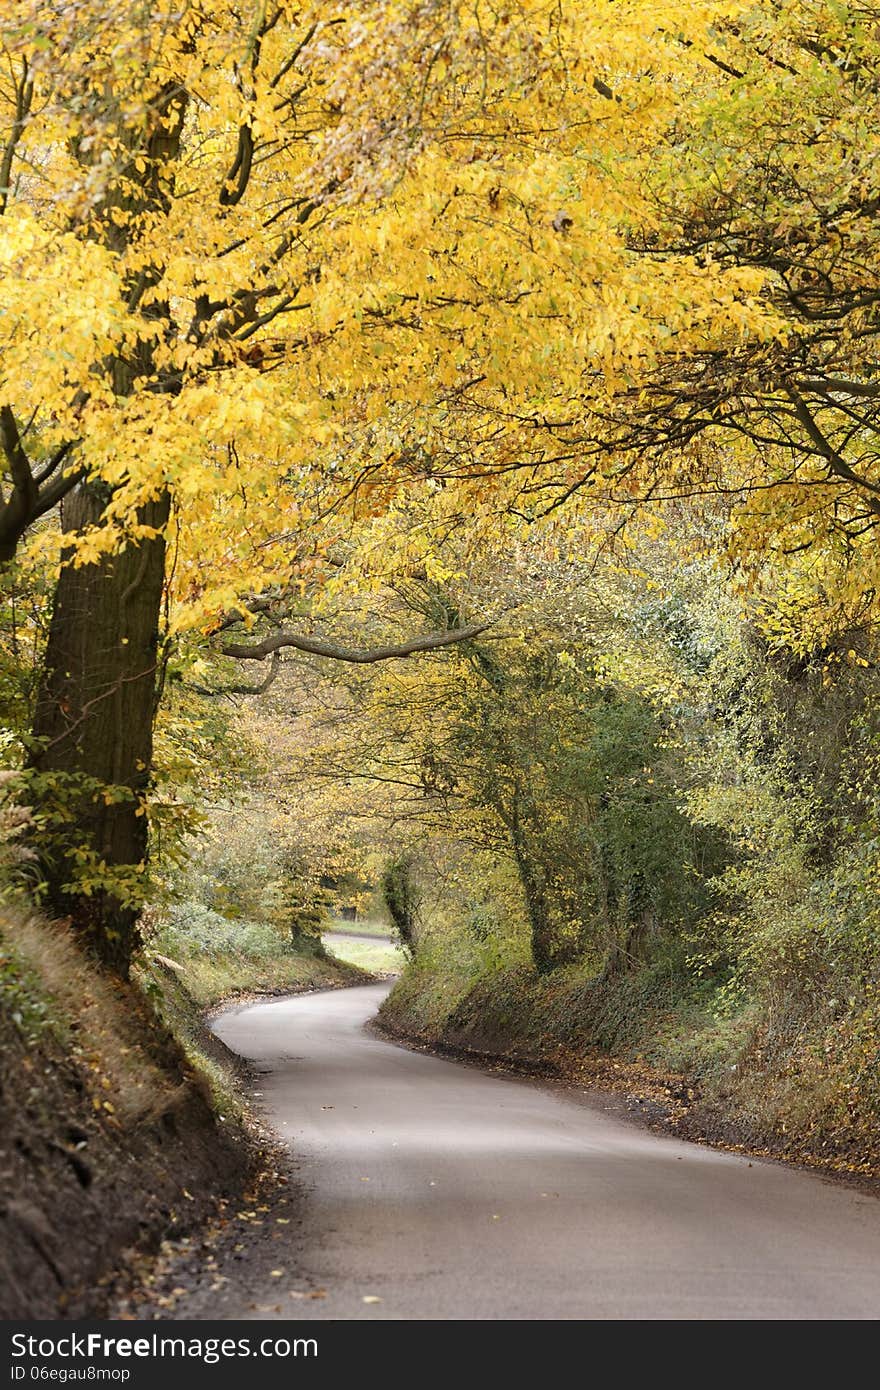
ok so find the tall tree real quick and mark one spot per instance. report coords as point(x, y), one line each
point(275, 255)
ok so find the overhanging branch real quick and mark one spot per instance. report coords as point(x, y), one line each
point(365, 656)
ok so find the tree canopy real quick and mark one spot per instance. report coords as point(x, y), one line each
point(293, 294)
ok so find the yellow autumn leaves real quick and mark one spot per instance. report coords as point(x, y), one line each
point(371, 208)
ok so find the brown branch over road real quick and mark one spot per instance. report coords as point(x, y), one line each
point(430, 642)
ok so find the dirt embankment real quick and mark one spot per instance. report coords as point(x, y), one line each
point(110, 1134)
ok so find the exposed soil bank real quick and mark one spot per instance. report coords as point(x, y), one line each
point(121, 1120)
point(108, 1134)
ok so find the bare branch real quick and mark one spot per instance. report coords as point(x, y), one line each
point(833, 385)
point(364, 656)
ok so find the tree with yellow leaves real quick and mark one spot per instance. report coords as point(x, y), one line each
point(273, 270)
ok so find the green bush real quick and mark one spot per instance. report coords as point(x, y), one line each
point(191, 929)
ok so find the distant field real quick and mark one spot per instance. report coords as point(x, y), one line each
point(377, 953)
point(362, 927)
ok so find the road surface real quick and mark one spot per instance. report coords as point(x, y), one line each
point(433, 1190)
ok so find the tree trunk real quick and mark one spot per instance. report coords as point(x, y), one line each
point(641, 927)
point(94, 724)
point(543, 942)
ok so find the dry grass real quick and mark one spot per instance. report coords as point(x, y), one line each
point(88, 1010)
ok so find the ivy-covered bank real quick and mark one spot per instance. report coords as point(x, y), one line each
point(805, 1088)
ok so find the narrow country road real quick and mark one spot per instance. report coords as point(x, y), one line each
point(434, 1191)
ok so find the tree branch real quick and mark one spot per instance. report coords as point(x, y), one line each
point(236, 181)
point(24, 95)
point(364, 656)
point(829, 385)
point(55, 491)
point(235, 185)
point(53, 464)
point(836, 463)
point(244, 689)
point(17, 510)
point(28, 500)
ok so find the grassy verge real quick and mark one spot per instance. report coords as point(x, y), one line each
point(216, 958)
point(122, 1118)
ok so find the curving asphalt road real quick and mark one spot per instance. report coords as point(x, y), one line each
point(433, 1191)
